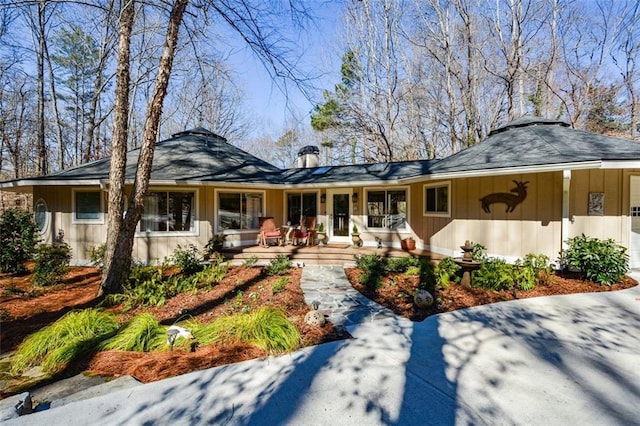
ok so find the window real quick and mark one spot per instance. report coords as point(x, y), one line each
point(40, 215)
point(387, 209)
point(301, 204)
point(168, 212)
point(87, 206)
point(436, 199)
point(239, 210)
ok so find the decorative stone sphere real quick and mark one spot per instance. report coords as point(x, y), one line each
point(423, 299)
point(315, 318)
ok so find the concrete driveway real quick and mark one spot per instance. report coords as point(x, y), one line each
point(548, 361)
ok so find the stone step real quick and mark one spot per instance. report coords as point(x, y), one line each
point(313, 255)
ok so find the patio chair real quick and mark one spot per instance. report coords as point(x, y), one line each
point(269, 231)
point(306, 232)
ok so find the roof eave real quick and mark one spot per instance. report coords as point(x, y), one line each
point(596, 164)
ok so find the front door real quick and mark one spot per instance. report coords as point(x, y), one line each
point(339, 211)
point(634, 238)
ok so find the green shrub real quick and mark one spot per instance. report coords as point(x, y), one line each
point(427, 274)
point(279, 285)
point(18, 239)
point(211, 274)
point(251, 261)
point(541, 266)
point(446, 271)
point(494, 274)
point(413, 271)
point(373, 266)
point(187, 259)
point(73, 335)
point(524, 275)
point(479, 252)
point(279, 266)
point(97, 255)
point(146, 287)
point(51, 263)
point(402, 264)
point(142, 334)
point(601, 261)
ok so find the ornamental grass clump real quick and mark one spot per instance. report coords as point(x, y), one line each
point(267, 328)
point(142, 334)
point(75, 334)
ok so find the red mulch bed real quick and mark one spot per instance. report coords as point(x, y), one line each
point(397, 290)
point(25, 309)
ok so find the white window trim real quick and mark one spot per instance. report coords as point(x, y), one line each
point(365, 210)
point(235, 191)
point(195, 222)
point(75, 220)
point(424, 199)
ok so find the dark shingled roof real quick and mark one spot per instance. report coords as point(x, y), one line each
point(202, 156)
point(357, 173)
point(193, 155)
point(532, 141)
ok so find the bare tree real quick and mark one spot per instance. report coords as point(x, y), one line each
point(626, 55)
point(242, 17)
point(206, 96)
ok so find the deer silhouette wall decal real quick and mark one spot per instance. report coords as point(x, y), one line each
point(511, 200)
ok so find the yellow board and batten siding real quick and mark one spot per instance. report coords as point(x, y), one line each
point(535, 226)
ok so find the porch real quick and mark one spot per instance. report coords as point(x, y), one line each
point(331, 254)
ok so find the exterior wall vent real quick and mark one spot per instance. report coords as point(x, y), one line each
point(309, 156)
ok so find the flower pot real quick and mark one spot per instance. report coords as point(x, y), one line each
point(408, 244)
point(357, 241)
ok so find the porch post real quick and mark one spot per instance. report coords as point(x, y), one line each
point(566, 217)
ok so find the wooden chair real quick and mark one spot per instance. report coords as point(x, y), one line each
point(269, 231)
point(306, 232)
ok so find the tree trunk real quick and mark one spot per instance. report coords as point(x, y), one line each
point(120, 244)
point(41, 148)
point(116, 269)
point(56, 112)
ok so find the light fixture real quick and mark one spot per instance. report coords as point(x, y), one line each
point(323, 198)
point(354, 197)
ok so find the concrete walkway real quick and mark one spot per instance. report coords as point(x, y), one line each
point(547, 361)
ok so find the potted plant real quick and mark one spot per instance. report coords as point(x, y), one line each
point(322, 236)
point(355, 236)
point(408, 243)
point(215, 244)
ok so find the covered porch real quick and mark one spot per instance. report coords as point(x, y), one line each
point(331, 254)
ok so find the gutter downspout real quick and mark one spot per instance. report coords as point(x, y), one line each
point(566, 217)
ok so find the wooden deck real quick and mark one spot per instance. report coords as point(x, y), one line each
point(332, 254)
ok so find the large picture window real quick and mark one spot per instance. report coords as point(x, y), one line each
point(301, 204)
point(167, 212)
point(436, 199)
point(239, 210)
point(387, 209)
point(88, 206)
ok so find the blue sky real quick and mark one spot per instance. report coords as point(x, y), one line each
point(320, 57)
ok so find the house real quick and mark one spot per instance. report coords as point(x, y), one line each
point(527, 188)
